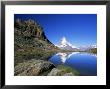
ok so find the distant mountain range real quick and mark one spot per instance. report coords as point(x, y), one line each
point(65, 45)
point(85, 48)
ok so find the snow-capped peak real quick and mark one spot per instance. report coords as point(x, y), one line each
point(64, 44)
point(72, 45)
point(63, 41)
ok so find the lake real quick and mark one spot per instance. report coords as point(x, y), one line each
point(84, 63)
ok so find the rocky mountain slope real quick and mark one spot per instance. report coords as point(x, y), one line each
point(30, 33)
point(30, 43)
point(32, 50)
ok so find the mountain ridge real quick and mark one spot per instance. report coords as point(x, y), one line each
point(65, 45)
point(30, 32)
point(30, 41)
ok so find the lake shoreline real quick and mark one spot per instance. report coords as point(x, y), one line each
point(85, 62)
point(62, 71)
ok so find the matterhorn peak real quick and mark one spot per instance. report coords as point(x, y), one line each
point(63, 41)
point(64, 44)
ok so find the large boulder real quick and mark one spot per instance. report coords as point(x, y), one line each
point(32, 68)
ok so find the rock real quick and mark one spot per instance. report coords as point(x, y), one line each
point(54, 72)
point(32, 67)
point(69, 74)
point(29, 29)
point(60, 72)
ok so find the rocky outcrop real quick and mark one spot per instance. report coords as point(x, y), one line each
point(29, 29)
point(68, 74)
point(29, 33)
point(54, 72)
point(32, 68)
point(60, 72)
point(30, 41)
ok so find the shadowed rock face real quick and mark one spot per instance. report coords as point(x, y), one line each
point(29, 29)
point(28, 33)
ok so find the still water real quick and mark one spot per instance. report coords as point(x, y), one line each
point(84, 63)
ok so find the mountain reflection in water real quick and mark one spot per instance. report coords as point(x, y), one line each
point(85, 63)
point(65, 56)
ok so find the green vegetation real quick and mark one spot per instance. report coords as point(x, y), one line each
point(21, 56)
point(62, 70)
point(67, 69)
point(94, 50)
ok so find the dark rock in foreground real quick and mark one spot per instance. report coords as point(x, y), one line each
point(32, 68)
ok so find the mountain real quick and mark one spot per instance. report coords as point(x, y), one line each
point(93, 46)
point(92, 49)
point(30, 41)
point(32, 50)
point(30, 33)
point(65, 45)
point(86, 48)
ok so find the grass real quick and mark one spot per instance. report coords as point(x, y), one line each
point(31, 53)
point(93, 51)
point(66, 69)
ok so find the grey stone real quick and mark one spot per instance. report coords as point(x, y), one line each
point(54, 72)
point(32, 67)
point(69, 74)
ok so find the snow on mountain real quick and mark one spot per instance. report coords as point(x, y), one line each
point(93, 46)
point(65, 56)
point(64, 44)
point(84, 48)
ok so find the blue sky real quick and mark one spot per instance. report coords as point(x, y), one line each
point(79, 29)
